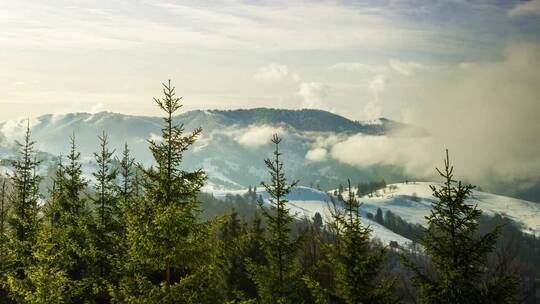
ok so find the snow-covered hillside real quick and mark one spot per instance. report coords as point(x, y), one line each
point(243, 135)
point(305, 202)
point(411, 201)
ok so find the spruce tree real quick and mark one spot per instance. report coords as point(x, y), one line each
point(23, 219)
point(234, 236)
point(3, 240)
point(356, 263)
point(47, 280)
point(379, 216)
point(71, 241)
point(32, 280)
point(3, 207)
point(106, 234)
point(171, 253)
point(255, 254)
point(458, 255)
point(278, 280)
point(127, 186)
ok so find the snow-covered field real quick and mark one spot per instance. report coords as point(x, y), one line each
point(411, 201)
point(305, 202)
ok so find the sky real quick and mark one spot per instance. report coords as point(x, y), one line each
point(362, 59)
point(467, 71)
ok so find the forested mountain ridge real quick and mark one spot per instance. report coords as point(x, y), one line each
point(121, 229)
point(242, 133)
point(308, 120)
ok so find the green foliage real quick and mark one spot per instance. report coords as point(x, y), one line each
point(71, 240)
point(4, 207)
point(171, 253)
point(357, 265)
point(458, 256)
point(238, 246)
point(23, 217)
point(107, 243)
point(23, 220)
point(45, 281)
point(139, 235)
point(128, 189)
point(279, 279)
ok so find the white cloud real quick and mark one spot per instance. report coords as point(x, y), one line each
point(405, 68)
point(364, 150)
point(15, 129)
point(256, 135)
point(155, 137)
point(484, 113)
point(358, 67)
point(317, 154)
point(376, 86)
point(528, 8)
point(313, 94)
point(235, 25)
point(275, 72)
point(98, 107)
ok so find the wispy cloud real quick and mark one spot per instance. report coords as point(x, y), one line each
point(406, 68)
point(527, 8)
point(314, 94)
point(275, 72)
point(359, 67)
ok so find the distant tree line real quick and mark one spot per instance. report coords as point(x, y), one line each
point(136, 234)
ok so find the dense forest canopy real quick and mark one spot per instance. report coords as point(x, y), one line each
point(139, 233)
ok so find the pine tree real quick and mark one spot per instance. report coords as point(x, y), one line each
point(71, 240)
point(32, 280)
point(47, 282)
point(458, 256)
point(3, 240)
point(170, 248)
point(127, 178)
point(106, 234)
point(3, 207)
point(357, 265)
point(23, 219)
point(235, 238)
point(310, 253)
point(254, 254)
point(279, 280)
point(379, 216)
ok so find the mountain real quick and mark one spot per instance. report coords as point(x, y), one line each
point(412, 202)
point(231, 148)
point(305, 202)
point(308, 120)
point(233, 145)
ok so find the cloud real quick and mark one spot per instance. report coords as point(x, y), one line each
point(398, 150)
point(272, 73)
point(376, 86)
point(313, 94)
point(98, 107)
point(317, 154)
point(406, 68)
point(155, 137)
point(256, 135)
point(485, 113)
point(358, 67)
point(528, 8)
point(15, 129)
